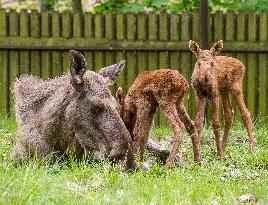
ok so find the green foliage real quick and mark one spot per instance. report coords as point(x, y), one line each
point(178, 5)
point(240, 5)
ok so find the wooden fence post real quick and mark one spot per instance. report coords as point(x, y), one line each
point(204, 23)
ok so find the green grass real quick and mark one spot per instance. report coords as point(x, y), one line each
point(71, 182)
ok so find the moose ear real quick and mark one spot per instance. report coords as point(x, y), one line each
point(77, 66)
point(194, 48)
point(217, 47)
point(111, 72)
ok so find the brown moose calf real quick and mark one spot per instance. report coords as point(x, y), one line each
point(164, 88)
point(215, 76)
point(75, 111)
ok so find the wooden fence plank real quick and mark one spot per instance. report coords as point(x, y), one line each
point(120, 35)
point(240, 36)
point(4, 106)
point(218, 26)
point(24, 32)
point(131, 56)
point(88, 25)
point(35, 55)
point(120, 26)
point(77, 25)
point(186, 56)
point(45, 55)
point(66, 24)
point(252, 70)
point(14, 68)
point(174, 27)
point(263, 67)
point(142, 26)
point(55, 55)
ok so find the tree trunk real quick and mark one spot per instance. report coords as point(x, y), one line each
point(77, 6)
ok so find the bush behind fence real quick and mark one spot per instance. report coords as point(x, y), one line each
point(38, 43)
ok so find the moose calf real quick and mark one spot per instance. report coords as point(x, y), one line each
point(75, 111)
point(215, 76)
point(164, 88)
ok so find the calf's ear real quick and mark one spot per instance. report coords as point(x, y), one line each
point(77, 66)
point(120, 96)
point(111, 73)
point(194, 48)
point(217, 47)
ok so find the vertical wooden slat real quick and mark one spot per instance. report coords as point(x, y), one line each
point(109, 29)
point(142, 26)
point(88, 25)
point(4, 91)
point(174, 27)
point(218, 26)
point(263, 67)
point(77, 25)
point(24, 32)
point(251, 71)
point(99, 33)
point(4, 107)
point(186, 56)
point(55, 63)
point(45, 55)
point(66, 33)
point(163, 27)
point(109, 34)
point(153, 28)
point(174, 36)
point(35, 55)
point(131, 56)
point(14, 55)
point(66, 24)
point(120, 28)
point(99, 26)
point(240, 36)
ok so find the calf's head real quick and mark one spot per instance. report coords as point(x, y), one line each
point(93, 110)
point(205, 58)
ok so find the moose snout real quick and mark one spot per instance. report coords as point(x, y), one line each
point(205, 78)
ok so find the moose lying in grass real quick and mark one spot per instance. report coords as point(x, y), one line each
point(75, 111)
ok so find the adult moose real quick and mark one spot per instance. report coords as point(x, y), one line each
point(75, 111)
point(215, 76)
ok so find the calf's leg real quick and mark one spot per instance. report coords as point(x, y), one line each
point(238, 94)
point(228, 116)
point(177, 126)
point(190, 127)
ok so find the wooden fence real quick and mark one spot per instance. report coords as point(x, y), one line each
point(38, 43)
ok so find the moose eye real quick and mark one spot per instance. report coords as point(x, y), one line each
point(97, 109)
point(199, 64)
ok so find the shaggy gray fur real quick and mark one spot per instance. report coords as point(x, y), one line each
point(75, 111)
